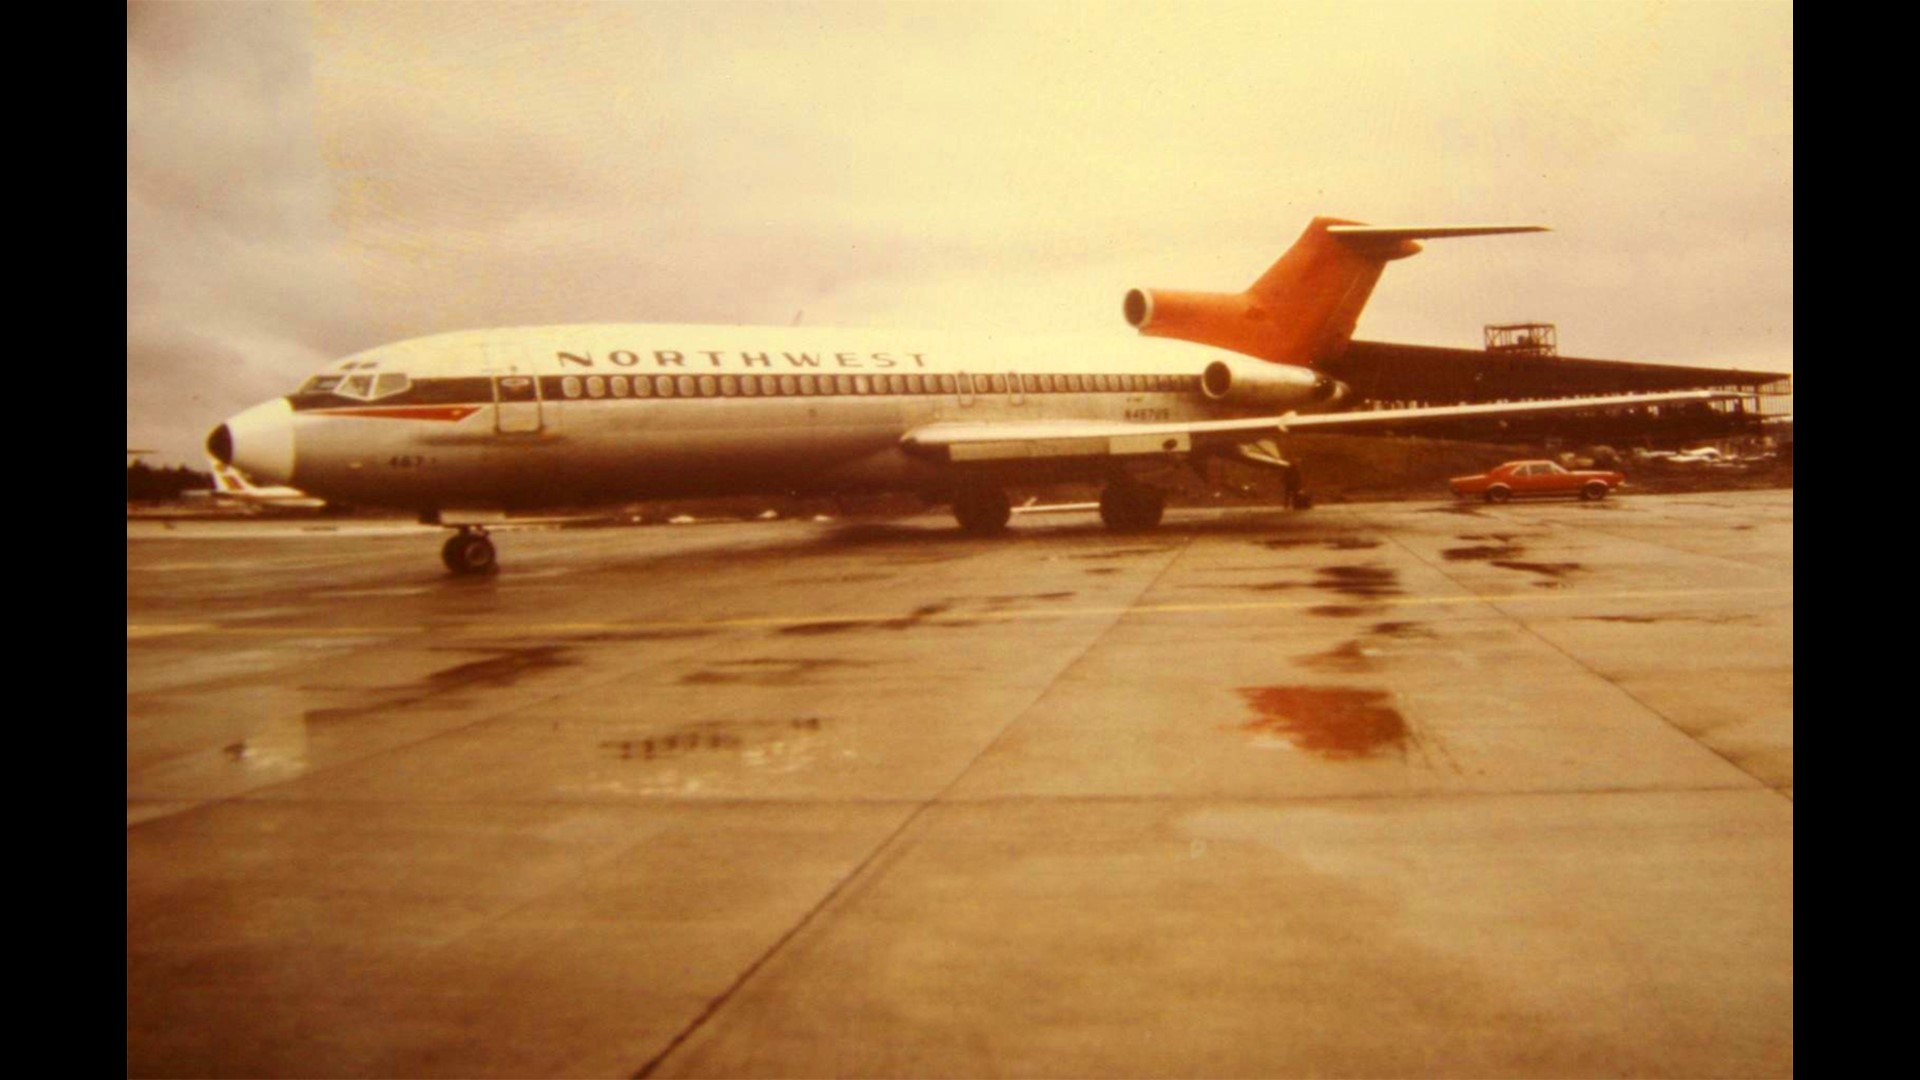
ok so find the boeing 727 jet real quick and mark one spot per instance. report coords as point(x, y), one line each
point(463, 427)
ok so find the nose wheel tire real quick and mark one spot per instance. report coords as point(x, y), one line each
point(982, 511)
point(468, 553)
point(1131, 507)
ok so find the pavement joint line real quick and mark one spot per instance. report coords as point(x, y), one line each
point(1494, 603)
point(859, 873)
point(149, 631)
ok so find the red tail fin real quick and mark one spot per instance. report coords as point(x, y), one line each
point(1304, 308)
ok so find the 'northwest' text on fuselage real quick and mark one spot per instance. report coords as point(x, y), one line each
point(719, 358)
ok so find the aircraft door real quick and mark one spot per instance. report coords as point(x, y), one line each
point(966, 389)
point(1013, 387)
point(516, 390)
point(516, 404)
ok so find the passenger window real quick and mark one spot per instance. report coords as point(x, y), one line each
point(570, 386)
point(642, 386)
point(729, 386)
point(596, 386)
point(807, 385)
point(862, 385)
point(685, 386)
point(617, 384)
point(949, 385)
point(749, 386)
point(770, 385)
point(663, 385)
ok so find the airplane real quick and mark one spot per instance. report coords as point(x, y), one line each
point(462, 427)
point(231, 485)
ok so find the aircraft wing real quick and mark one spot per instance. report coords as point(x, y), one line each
point(961, 443)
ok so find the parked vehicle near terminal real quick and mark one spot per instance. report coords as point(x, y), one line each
point(1535, 478)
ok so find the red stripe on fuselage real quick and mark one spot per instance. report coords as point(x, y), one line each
point(449, 413)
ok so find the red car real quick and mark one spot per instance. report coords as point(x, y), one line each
point(1527, 478)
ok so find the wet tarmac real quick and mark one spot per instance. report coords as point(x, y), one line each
point(1378, 790)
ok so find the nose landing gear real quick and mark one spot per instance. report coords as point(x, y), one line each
point(469, 551)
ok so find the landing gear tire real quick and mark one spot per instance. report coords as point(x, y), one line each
point(1131, 507)
point(982, 511)
point(1594, 491)
point(1499, 494)
point(469, 553)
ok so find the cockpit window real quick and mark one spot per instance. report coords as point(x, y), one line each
point(390, 383)
point(365, 387)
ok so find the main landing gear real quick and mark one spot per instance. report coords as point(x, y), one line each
point(1130, 507)
point(469, 551)
point(1125, 506)
point(981, 511)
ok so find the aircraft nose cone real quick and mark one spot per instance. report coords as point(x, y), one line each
point(258, 442)
point(220, 445)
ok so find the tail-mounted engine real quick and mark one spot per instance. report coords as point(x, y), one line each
point(1256, 385)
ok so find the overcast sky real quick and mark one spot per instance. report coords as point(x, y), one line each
point(305, 181)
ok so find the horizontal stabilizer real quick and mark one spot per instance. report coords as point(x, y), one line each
point(1387, 234)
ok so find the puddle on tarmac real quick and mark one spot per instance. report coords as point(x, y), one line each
point(840, 579)
point(498, 669)
point(1713, 620)
point(1360, 581)
point(915, 618)
point(1117, 552)
point(1363, 653)
point(1554, 570)
point(795, 671)
point(1482, 551)
point(756, 742)
point(1334, 722)
point(1349, 656)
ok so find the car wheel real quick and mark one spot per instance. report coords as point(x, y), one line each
point(1499, 494)
point(1595, 490)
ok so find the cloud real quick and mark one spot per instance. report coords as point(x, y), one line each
point(306, 182)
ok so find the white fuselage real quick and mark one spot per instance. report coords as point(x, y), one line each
point(579, 415)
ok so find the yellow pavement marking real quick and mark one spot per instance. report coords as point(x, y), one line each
point(145, 630)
